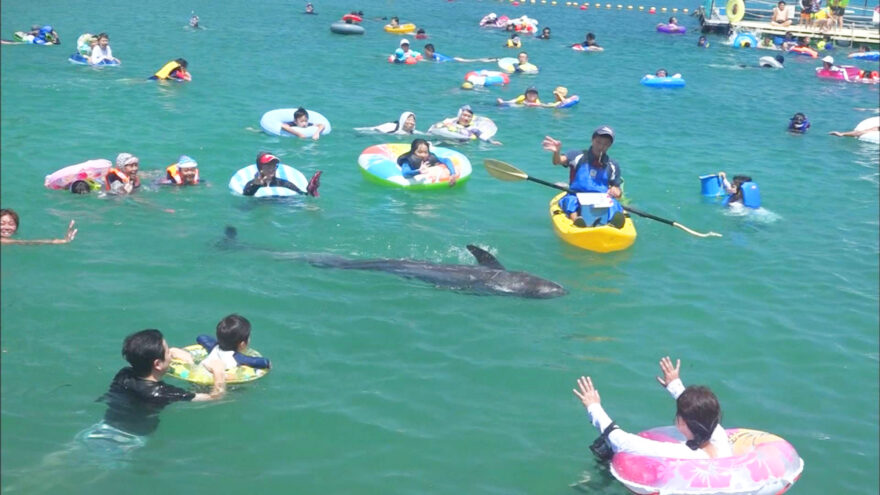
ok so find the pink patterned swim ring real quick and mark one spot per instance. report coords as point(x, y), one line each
point(762, 464)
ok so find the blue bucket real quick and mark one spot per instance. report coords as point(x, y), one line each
point(710, 185)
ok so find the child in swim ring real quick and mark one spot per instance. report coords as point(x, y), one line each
point(228, 350)
point(267, 167)
point(529, 99)
point(419, 160)
point(300, 122)
point(697, 417)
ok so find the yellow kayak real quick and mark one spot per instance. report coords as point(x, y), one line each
point(401, 29)
point(602, 239)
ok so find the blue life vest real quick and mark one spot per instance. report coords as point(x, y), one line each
point(587, 178)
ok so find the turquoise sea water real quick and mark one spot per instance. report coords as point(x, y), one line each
point(384, 385)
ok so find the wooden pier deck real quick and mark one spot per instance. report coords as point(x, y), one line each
point(848, 33)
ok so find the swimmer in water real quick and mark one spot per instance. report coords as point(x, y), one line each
point(300, 122)
point(419, 160)
point(9, 226)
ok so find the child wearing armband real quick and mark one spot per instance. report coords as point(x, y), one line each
point(233, 336)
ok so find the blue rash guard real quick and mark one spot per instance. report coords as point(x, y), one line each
point(209, 343)
point(439, 57)
point(590, 177)
point(410, 164)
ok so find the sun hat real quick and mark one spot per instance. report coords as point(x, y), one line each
point(829, 59)
point(604, 131)
point(124, 159)
point(561, 91)
point(264, 158)
point(404, 42)
point(186, 162)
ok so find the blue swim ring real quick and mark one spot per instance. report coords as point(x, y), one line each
point(663, 82)
point(740, 40)
point(243, 176)
point(271, 122)
point(80, 59)
point(865, 55)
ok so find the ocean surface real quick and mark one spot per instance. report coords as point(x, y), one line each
point(383, 385)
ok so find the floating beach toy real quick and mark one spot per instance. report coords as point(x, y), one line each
point(379, 164)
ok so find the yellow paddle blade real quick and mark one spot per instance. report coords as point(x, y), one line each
point(504, 171)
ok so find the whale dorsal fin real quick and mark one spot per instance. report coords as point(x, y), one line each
point(484, 258)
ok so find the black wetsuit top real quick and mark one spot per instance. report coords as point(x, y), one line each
point(251, 187)
point(133, 403)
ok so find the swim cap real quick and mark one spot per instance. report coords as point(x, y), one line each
point(186, 162)
point(46, 29)
point(828, 59)
point(124, 159)
point(467, 85)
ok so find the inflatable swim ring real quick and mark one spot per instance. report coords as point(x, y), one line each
point(412, 58)
point(487, 78)
point(736, 10)
point(271, 122)
point(568, 102)
point(201, 376)
point(875, 55)
point(869, 137)
point(762, 464)
point(244, 175)
point(456, 131)
point(352, 18)
point(91, 170)
point(671, 29)
point(745, 40)
point(378, 163)
point(581, 48)
point(663, 82)
point(805, 51)
point(510, 65)
point(769, 61)
point(848, 73)
point(402, 29)
point(346, 28)
point(79, 59)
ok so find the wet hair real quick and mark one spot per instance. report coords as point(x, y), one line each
point(183, 63)
point(780, 59)
point(395, 18)
point(672, 20)
point(661, 70)
point(698, 407)
point(420, 31)
point(11, 213)
point(80, 187)
point(546, 29)
point(232, 331)
point(429, 46)
point(418, 142)
point(102, 35)
point(142, 349)
point(300, 112)
point(591, 36)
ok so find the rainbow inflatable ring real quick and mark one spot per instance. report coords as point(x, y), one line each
point(379, 164)
point(762, 464)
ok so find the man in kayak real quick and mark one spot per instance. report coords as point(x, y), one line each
point(592, 170)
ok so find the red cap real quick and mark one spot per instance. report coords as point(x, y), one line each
point(266, 158)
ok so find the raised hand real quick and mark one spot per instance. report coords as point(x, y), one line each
point(670, 373)
point(586, 392)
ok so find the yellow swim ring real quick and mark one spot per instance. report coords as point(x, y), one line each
point(401, 29)
point(199, 375)
point(736, 10)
